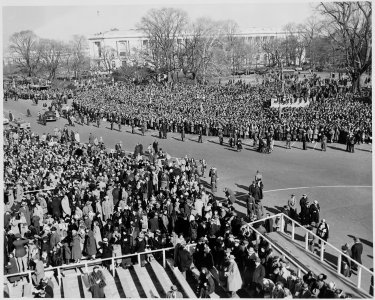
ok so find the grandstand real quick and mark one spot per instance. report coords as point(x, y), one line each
point(155, 278)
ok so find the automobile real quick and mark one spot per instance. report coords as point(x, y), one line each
point(5, 121)
point(20, 123)
point(50, 116)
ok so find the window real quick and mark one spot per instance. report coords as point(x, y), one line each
point(123, 47)
point(98, 49)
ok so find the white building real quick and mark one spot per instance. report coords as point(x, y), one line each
point(124, 44)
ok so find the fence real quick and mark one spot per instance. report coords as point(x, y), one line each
point(286, 220)
point(59, 269)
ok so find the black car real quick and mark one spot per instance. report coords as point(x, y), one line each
point(50, 116)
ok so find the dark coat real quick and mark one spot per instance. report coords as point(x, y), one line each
point(357, 250)
point(12, 268)
point(258, 275)
point(90, 244)
point(184, 260)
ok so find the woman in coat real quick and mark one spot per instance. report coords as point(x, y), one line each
point(232, 273)
point(90, 244)
point(76, 247)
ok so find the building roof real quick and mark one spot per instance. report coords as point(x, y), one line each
point(128, 33)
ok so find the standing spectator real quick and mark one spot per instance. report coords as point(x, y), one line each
point(206, 285)
point(76, 247)
point(90, 244)
point(232, 273)
point(107, 252)
point(183, 259)
point(20, 252)
point(357, 250)
point(346, 263)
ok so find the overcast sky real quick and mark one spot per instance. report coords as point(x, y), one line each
point(76, 17)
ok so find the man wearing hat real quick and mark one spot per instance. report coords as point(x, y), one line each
point(258, 276)
point(174, 293)
point(345, 262)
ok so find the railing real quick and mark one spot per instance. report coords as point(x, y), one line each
point(59, 269)
point(323, 246)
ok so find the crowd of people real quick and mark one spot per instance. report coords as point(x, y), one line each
point(65, 201)
point(236, 110)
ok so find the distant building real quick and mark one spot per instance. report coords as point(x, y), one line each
point(125, 44)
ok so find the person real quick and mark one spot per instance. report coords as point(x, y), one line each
point(183, 259)
point(206, 284)
point(97, 283)
point(174, 293)
point(324, 143)
point(200, 140)
point(258, 275)
point(20, 252)
point(232, 273)
point(346, 263)
point(214, 178)
point(322, 230)
point(12, 268)
point(357, 250)
point(304, 139)
point(293, 207)
point(182, 133)
point(288, 139)
point(39, 270)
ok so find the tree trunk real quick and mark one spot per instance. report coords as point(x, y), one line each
point(356, 82)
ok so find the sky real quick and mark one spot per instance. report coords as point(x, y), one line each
point(52, 20)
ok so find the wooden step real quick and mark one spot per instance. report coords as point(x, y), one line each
point(163, 278)
point(110, 290)
point(127, 283)
point(146, 281)
point(16, 291)
point(312, 262)
point(28, 290)
point(71, 287)
point(181, 279)
point(56, 288)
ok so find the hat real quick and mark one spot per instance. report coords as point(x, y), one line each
point(174, 288)
point(231, 257)
point(257, 259)
point(304, 195)
point(105, 240)
point(344, 248)
point(17, 235)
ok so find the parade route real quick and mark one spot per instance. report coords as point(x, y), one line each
point(340, 181)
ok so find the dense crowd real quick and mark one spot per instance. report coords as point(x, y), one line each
point(239, 110)
point(65, 201)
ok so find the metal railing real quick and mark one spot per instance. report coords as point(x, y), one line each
point(323, 246)
point(86, 263)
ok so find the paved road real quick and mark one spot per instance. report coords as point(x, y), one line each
point(340, 181)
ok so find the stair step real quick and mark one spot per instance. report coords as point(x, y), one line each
point(164, 279)
point(71, 287)
point(110, 290)
point(16, 291)
point(313, 263)
point(187, 289)
point(83, 288)
point(28, 291)
point(56, 288)
point(146, 281)
point(127, 283)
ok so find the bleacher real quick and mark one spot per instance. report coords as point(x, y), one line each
point(152, 280)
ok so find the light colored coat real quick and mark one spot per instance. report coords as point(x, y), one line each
point(234, 280)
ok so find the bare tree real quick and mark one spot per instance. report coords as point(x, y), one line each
point(163, 27)
point(311, 31)
point(24, 48)
point(52, 53)
point(200, 40)
point(108, 54)
point(349, 27)
point(78, 59)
